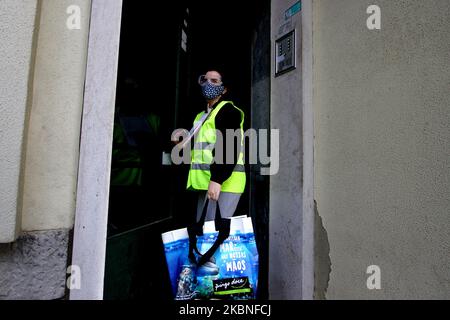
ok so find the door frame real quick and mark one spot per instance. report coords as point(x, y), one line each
point(91, 216)
point(291, 216)
point(91, 213)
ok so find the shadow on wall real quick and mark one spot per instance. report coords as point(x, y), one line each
point(322, 261)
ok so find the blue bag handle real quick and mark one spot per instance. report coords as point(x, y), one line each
point(196, 229)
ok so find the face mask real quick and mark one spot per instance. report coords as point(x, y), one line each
point(210, 92)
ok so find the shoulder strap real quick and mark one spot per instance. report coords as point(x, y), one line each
point(195, 129)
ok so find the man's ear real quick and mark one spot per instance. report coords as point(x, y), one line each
point(225, 90)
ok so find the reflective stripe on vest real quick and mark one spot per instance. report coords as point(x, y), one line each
point(201, 156)
point(204, 166)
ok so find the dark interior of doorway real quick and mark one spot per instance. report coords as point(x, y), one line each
point(163, 49)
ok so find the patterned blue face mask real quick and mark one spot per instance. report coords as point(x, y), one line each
point(210, 91)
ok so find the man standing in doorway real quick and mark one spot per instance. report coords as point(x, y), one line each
point(215, 173)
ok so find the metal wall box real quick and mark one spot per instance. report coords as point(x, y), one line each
point(285, 53)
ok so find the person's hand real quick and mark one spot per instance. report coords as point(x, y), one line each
point(214, 190)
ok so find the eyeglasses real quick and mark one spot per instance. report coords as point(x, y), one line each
point(214, 81)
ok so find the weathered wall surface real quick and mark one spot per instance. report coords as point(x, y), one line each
point(34, 266)
point(53, 141)
point(285, 218)
point(17, 25)
point(382, 148)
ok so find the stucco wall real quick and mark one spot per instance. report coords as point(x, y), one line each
point(17, 22)
point(285, 217)
point(382, 148)
point(34, 266)
point(53, 140)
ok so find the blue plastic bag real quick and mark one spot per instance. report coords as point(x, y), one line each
point(232, 272)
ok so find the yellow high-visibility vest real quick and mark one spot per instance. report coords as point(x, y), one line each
point(202, 157)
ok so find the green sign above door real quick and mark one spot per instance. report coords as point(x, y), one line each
point(294, 9)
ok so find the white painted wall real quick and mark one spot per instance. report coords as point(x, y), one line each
point(54, 131)
point(382, 161)
point(17, 23)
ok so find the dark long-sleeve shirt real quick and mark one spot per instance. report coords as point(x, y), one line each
point(227, 118)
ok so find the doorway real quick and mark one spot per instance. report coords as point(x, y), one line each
point(162, 52)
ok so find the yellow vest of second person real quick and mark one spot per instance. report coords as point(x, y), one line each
point(202, 157)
